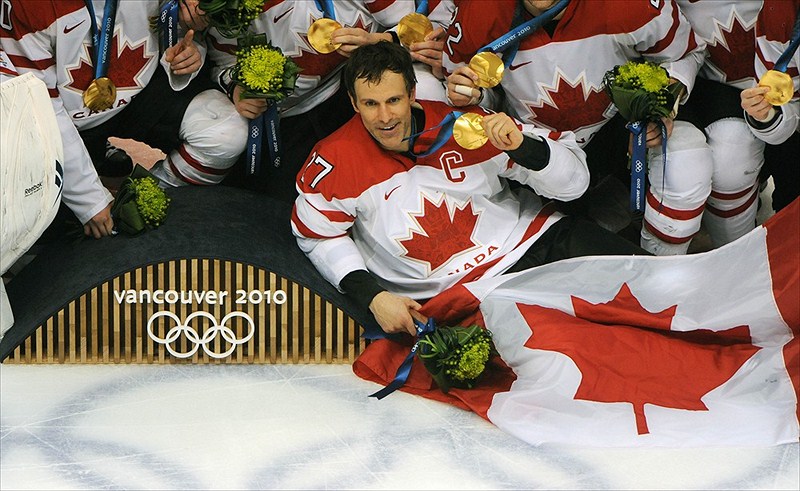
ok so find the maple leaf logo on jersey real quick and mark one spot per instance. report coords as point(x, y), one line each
point(314, 64)
point(732, 53)
point(443, 236)
point(570, 105)
point(124, 66)
point(675, 371)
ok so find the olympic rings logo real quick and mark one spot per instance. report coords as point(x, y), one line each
point(192, 335)
point(639, 166)
point(254, 132)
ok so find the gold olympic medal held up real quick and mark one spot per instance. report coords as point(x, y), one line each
point(319, 35)
point(100, 94)
point(413, 28)
point(780, 86)
point(489, 68)
point(468, 131)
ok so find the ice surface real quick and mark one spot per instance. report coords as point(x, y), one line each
point(307, 427)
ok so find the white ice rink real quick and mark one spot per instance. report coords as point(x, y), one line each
point(307, 427)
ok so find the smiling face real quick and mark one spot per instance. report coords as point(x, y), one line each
point(385, 109)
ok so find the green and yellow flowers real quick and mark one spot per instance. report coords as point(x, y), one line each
point(140, 204)
point(456, 356)
point(263, 70)
point(231, 17)
point(642, 91)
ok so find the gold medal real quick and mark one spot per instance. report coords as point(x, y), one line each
point(100, 95)
point(780, 86)
point(489, 68)
point(319, 35)
point(413, 28)
point(468, 131)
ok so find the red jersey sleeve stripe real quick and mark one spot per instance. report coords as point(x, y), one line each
point(181, 176)
point(53, 93)
point(669, 239)
point(23, 62)
point(333, 215)
point(307, 232)
point(378, 5)
point(670, 37)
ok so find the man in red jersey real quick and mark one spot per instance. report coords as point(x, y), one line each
point(392, 215)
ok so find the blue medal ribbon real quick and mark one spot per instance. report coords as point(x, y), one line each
point(508, 43)
point(639, 161)
point(405, 368)
point(101, 38)
point(327, 8)
point(422, 7)
point(267, 122)
point(794, 42)
point(168, 24)
point(444, 134)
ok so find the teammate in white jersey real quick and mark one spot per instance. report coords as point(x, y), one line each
point(390, 217)
point(318, 106)
point(728, 28)
point(555, 81)
point(776, 25)
point(165, 106)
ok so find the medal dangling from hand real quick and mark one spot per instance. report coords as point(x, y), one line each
point(413, 28)
point(489, 68)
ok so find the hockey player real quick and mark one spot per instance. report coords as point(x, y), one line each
point(776, 25)
point(391, 218)
point(318, 105)
point(165, 106)
point(728, 29)
point(555, 81)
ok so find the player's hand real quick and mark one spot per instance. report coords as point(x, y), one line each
point(248, 108)
point(654, 132)
point(184, 57)
point(462, 87)
point(430, 50)
point(101, 224)
point(502, 131)
point(191, 16)
point(754, 103)
point(351, 38)
point(393, 312)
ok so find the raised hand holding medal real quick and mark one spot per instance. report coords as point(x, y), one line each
point(321, 30)
point(487, 65)
point(779, 82)
point(414, 27)
point(101, 93)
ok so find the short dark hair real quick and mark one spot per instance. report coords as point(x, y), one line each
point(371, 60)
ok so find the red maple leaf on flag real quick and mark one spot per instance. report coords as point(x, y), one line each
point(626, 353)
point(443, 236)
point(569, 106)
point(733, 55)
point(124, 67)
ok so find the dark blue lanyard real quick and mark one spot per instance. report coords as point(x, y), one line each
point(794, 41)
point(405, 368)
point(444, 134)
point(168, 24)
point(422, 7)
point(508, 43)
point(101, 38)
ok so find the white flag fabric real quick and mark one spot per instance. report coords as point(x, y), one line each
point(698, 350)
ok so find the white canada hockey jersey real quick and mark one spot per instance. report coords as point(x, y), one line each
point(557, 82)
point(286, 22)
point(53, 40)
point(421, 226)
point(773, 32)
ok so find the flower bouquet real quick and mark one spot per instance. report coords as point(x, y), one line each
point(643, 93)
point(456, 356)
point(231, 17)
point(140, 204)
point(263, 70)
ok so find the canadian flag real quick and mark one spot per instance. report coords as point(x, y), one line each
point(698, 350)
